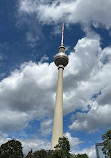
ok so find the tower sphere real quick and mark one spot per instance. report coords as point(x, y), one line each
point(61, 58)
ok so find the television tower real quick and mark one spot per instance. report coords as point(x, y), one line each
point(60, 60)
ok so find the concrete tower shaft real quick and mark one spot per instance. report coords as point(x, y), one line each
point(61, 60)
point(58, 114)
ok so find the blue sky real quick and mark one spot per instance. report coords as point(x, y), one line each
point(30, 34)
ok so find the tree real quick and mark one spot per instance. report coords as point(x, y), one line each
point(82, 156)
point(63, 144)
point(79, 156)
point(11, 149)
point(107, 144)
point(60, 154)
point(40, 154)
point(62, 149)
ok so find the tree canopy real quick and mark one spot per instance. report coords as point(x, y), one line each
point(82, 156)
point(62, 149)
point(40, 154)
point(63, 144)
point(11, 149)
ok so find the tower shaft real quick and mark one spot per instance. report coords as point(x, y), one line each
point(58, 114)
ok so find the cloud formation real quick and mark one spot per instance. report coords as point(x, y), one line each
point(91, 152)
point(98, 116)
point(73, 11)
point(74, 141)
point(27, 94)
point(46, 127)
point(10, 120)
point(35, 144)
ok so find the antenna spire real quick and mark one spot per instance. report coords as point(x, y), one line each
point(62, 34)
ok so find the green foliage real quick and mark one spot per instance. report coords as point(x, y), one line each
point(63, 144)
point(107, 144)
point(61, 154)
point(40, 154)
point(11, 149)
point(82, 156)
point(62, 149)
point(79, 156)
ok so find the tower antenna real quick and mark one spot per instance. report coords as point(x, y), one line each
point(62, 34)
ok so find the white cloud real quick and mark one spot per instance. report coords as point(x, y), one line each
point(46, 127)
point(106, 55)
point(85, 12)
point(91, 152)
point(34, 144)
point(22, 89)
point(44, 58)
point(12, 120)
point(94, 77)
point(27, 94)
point(79, 73)
point(28, 6)
point(98, 116)
point(3, 138)
point(74, 141)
